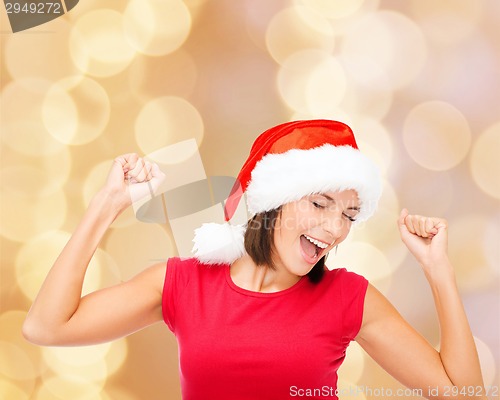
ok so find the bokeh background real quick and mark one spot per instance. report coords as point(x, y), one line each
point(418, 81)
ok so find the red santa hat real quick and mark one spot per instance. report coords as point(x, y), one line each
point(286, 163)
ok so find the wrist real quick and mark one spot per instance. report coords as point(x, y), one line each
point(108, 204)
point(439, 271)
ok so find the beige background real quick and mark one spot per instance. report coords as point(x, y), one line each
point(417, 80)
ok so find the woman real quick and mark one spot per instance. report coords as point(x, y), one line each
point(256, 314)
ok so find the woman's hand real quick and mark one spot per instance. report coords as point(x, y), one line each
point(425, 237)
point(132, 178)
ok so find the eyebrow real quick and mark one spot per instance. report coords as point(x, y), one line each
point(333, 200)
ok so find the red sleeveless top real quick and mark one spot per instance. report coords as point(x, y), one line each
point(239, 344)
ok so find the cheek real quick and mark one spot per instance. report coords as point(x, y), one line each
point(298, 216)
point(285, 240)
point(301, 223)
point(345, 231)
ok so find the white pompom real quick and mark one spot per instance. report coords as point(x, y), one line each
point(219, 243)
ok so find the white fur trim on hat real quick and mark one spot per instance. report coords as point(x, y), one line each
point(278, 179)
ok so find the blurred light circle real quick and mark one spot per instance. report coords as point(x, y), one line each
point(25, 215)
point(78, 356)
point(362, 258)
point(298, 28)
point(354, 364)
point(22, 125)
point(381, 227)
point(381, 230)
point(466, 238)
point(338, 114)
point(367, 93)
point(15, 363)
point(59, 114)
point(490, 243)
point(50, 51)
point(485, 160)
point(95, 180)
point(487, 360)
point(294, 78)
point(366, 101)
point(11, 322)
point(97, 43)
point(258, 15)
point(23, 179)
point(74, 387)
point(109, 271)
point(36, 257)
point(447, 22)
point(136, 247)
point(116, 356)
point(332, 9)
point(436, 135)
point(94, 374)
point(236, 91)
point(326, 86)
point(365, 71)
point(9, 390)
point(37, 175)
point(344, 24)
point(156, 27)
point(392, 42)
point(375, 137)
point(176, 75)
point(76, 111)
point(196, 7)
point(117, 393)
point(417, 184)
point(167, 120)
point(464, 74)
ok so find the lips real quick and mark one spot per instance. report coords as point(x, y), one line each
point(311, 248)
point(318, 243)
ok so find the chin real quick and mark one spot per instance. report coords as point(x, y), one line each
point(301, 269)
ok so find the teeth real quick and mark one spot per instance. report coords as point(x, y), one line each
point(321, 245)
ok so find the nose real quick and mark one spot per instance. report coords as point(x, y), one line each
point(335, 225)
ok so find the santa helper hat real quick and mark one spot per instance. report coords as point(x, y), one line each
point(286, 163)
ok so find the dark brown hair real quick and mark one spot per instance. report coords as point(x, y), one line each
point(259, 243)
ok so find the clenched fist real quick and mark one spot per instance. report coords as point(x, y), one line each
point(425, 237)
point(132, 178)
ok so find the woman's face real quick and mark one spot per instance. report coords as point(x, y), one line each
point(310, 227)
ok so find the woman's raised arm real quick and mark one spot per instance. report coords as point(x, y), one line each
point(453, 371)
point(59, 315)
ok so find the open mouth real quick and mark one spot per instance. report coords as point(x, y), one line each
point(312, 247)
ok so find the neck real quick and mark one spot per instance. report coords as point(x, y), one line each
point(259, 278)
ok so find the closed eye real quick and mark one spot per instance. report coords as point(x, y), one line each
point(318, 205)
point(352, 219)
